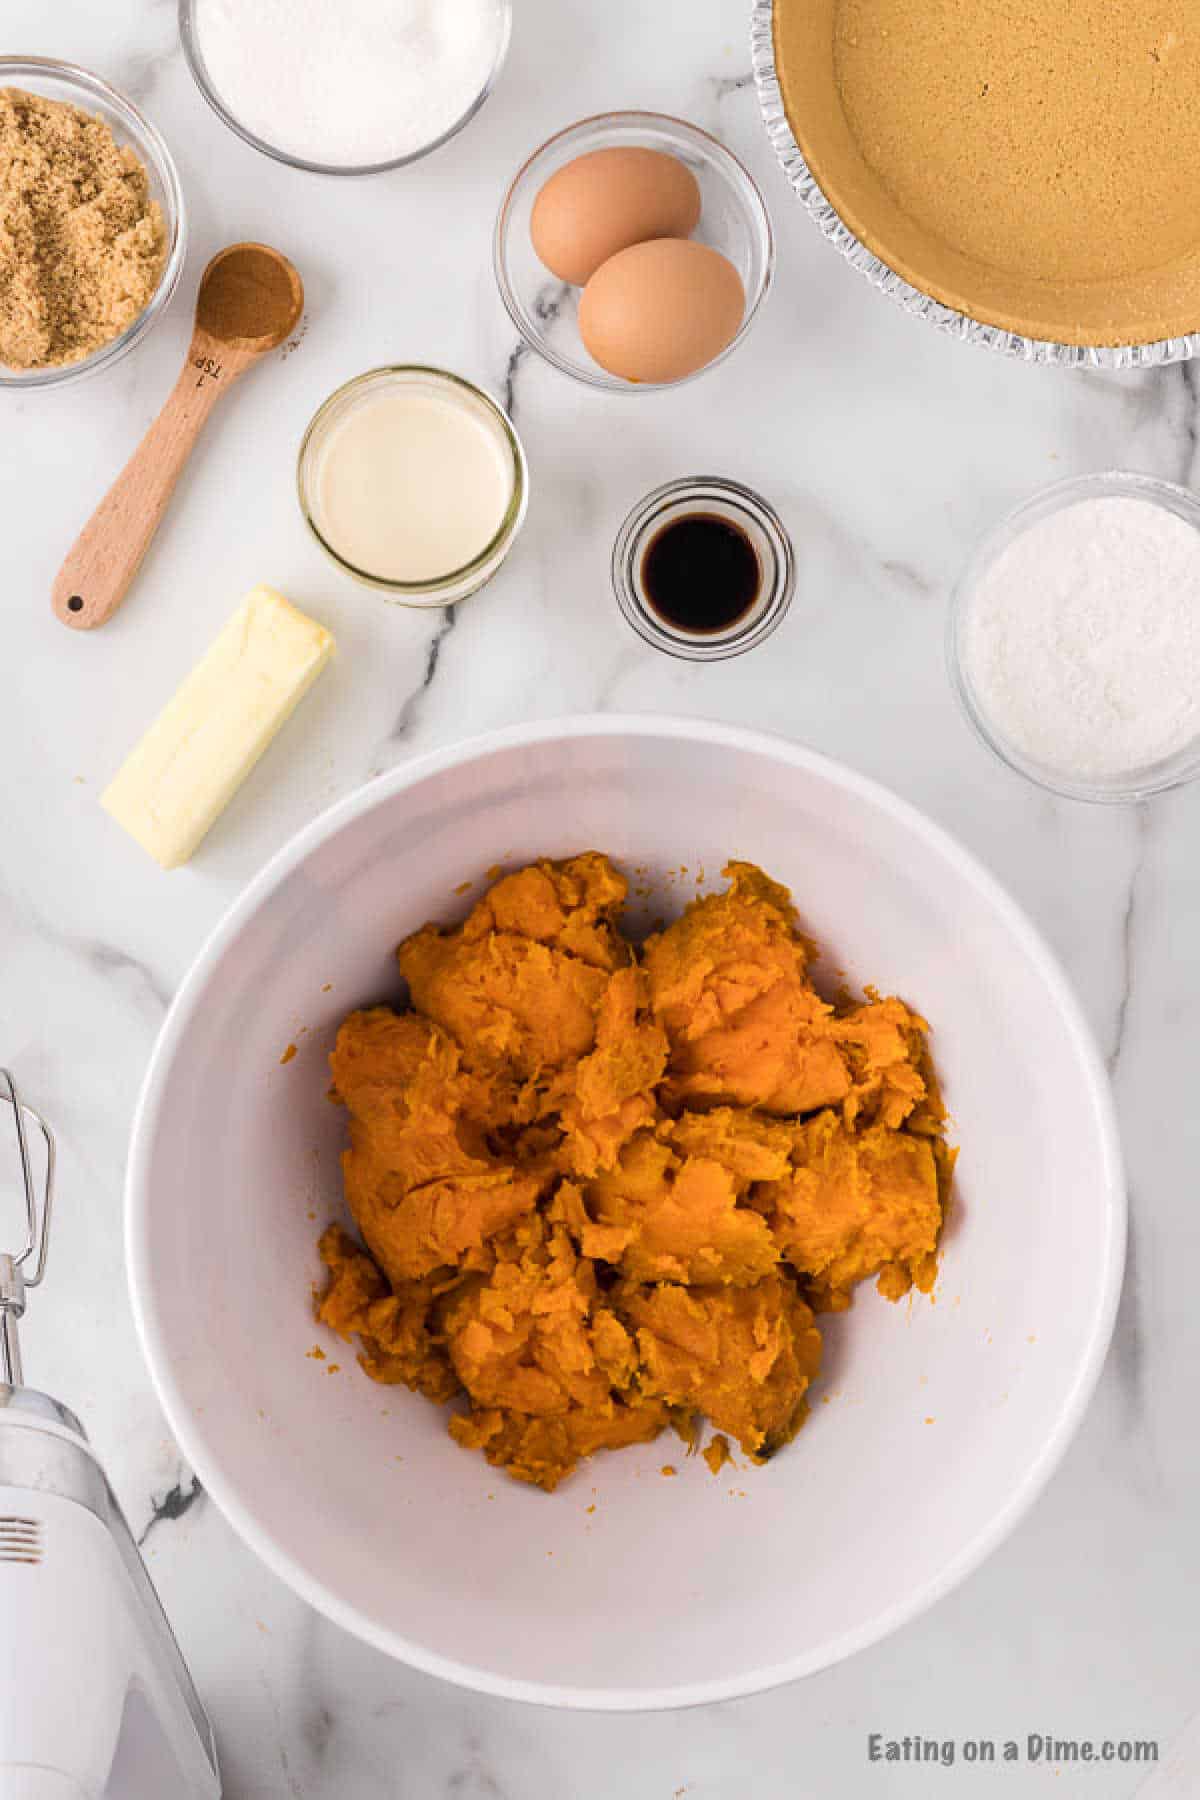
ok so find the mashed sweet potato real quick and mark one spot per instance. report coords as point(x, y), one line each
point(603, 1190)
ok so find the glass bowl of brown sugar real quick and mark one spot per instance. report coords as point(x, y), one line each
point(49, 337)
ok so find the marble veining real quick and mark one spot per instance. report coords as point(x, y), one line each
point(888, 449)
point(508, 387)
point(1191, 388)
point(1143, 814)
point(172, 1504)
point(407, 718)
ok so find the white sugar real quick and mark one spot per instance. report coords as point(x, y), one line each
point(1082, 643)
point(348, 82)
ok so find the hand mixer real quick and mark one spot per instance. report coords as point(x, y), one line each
point(95, 1700)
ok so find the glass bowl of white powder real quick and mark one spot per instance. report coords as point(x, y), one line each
point(1074, 638)
point(345, 87)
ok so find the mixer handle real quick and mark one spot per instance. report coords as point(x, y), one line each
point(24, 1267)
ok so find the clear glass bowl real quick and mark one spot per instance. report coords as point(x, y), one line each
point(714, 497)
point(77, 87)
point(733, 220)
point(456, 584)
point(200, 74)
point(1135, 784)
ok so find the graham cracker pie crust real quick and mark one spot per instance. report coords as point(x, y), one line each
point(1034, 164)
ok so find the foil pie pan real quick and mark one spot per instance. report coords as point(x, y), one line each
point(1011, 343)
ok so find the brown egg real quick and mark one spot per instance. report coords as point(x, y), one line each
point(660, 311)
point(607, 200)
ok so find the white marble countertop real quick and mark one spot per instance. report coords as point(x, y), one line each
point(887, 449)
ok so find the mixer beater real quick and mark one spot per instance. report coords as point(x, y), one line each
point(96, 1702)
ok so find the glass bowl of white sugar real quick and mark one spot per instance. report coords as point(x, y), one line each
point(345, 87)
point(1074, 638)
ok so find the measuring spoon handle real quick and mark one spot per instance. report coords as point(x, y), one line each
point(106, 555)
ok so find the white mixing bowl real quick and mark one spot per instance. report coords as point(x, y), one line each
point(944, 1419)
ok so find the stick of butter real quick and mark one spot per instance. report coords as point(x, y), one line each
point(196, 755)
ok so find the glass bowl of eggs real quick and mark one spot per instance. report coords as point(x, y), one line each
point(633, 251)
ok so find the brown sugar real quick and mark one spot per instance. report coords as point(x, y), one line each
point(82, 244)
point(1034, 164)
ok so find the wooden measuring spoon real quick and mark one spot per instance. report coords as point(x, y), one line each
point(250, 298)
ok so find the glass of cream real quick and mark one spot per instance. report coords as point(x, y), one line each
point(414, 481)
